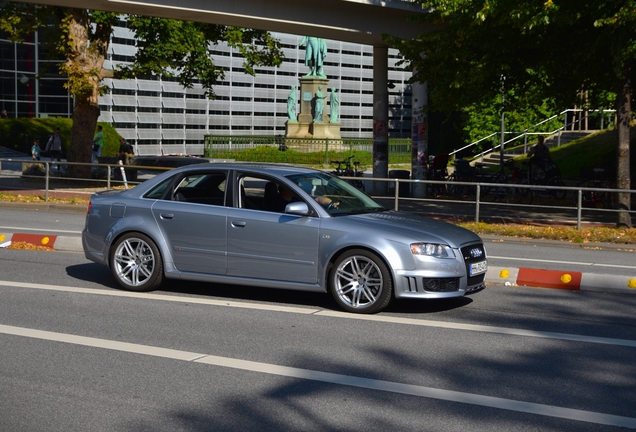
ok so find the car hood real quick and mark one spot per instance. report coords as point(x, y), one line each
point(415, 228)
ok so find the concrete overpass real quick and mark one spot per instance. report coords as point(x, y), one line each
point(357, 21)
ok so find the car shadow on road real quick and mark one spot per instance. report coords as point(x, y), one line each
point(98, 274)
point(92, 272)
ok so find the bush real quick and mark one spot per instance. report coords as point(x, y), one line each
point(274, 155)
point(18, 134)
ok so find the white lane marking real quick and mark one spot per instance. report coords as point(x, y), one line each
point(45, 230)
point(332, 378)
point(162, 297)
point(562, 262)
point(334, 314)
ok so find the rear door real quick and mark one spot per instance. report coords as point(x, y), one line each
point(193, 220)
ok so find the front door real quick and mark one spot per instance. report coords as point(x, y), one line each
point(267, 244)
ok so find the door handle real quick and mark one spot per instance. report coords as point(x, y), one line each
point(239, 224)
point(166, 215)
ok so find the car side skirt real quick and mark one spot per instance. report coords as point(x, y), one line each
point(265, 283)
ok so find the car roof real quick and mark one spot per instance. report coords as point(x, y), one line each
point(272, 168)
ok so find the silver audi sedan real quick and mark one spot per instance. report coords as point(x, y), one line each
point(278, 226)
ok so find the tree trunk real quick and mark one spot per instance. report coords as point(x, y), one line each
point(84, 67)
point(84, 123)
point(623, 111)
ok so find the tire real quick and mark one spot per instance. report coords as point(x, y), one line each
point(524, 196)
point(453, 189)
point(496, 193)
point(136, 263)
point(360, 282)
point(557, 193)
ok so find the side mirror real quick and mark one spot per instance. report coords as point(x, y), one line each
point(297, 208)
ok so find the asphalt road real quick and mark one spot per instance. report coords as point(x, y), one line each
point(79, 354)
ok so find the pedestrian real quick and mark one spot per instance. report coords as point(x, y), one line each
point(538, 155)
point(540, 150)
point(35, 150)
point(126, 151)
point(98, 143)
point(54, 147)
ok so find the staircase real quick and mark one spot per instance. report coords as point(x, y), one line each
point(492, 159)
point(567, 137)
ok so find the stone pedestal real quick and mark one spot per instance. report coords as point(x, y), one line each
point(325, 130)
point(305, 127)
point(294, 130)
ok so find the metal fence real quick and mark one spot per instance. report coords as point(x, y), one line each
point(503, 205)
point(440, 196)
point(51, 176)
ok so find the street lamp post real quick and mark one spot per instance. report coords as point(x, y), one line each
point(501, 147)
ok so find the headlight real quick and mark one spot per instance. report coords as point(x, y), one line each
point(432, 249)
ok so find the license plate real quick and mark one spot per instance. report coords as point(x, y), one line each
point(478, 268)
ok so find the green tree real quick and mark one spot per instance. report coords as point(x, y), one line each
point(177, 49)
point(552, 49)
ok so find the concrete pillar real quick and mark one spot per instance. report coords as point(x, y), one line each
point(380, 119)
point(419, 138)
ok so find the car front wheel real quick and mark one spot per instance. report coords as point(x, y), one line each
point(136, 263)
point(360, 282)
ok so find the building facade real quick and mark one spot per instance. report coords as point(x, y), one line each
point(159, 115)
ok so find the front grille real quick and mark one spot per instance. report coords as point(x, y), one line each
point(440, 284)
point(471, 254)
point(474, 280)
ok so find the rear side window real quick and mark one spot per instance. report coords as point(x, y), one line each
point(202, 188)
point(158, 190)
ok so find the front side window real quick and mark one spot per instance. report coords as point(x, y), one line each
point(335, 195)
point(258, 193)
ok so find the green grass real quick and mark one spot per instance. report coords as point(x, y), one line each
point(596, 151)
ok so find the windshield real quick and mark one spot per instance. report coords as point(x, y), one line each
point(335, 195)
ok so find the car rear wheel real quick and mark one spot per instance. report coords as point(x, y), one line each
point(360, 282)
point(136, 263)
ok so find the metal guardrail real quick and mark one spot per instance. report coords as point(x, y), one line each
point(109, 179)
point(576, 191)
point(54, 171)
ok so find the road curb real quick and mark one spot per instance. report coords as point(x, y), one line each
point(561, 279)
point(54, 242)
point(62, 208)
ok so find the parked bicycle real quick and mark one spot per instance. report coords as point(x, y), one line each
point(345, 169)
point(464, 172)
point(595, 178)
point(543, 172)
point(503, 192)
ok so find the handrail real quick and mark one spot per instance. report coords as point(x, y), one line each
point(526, 132)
